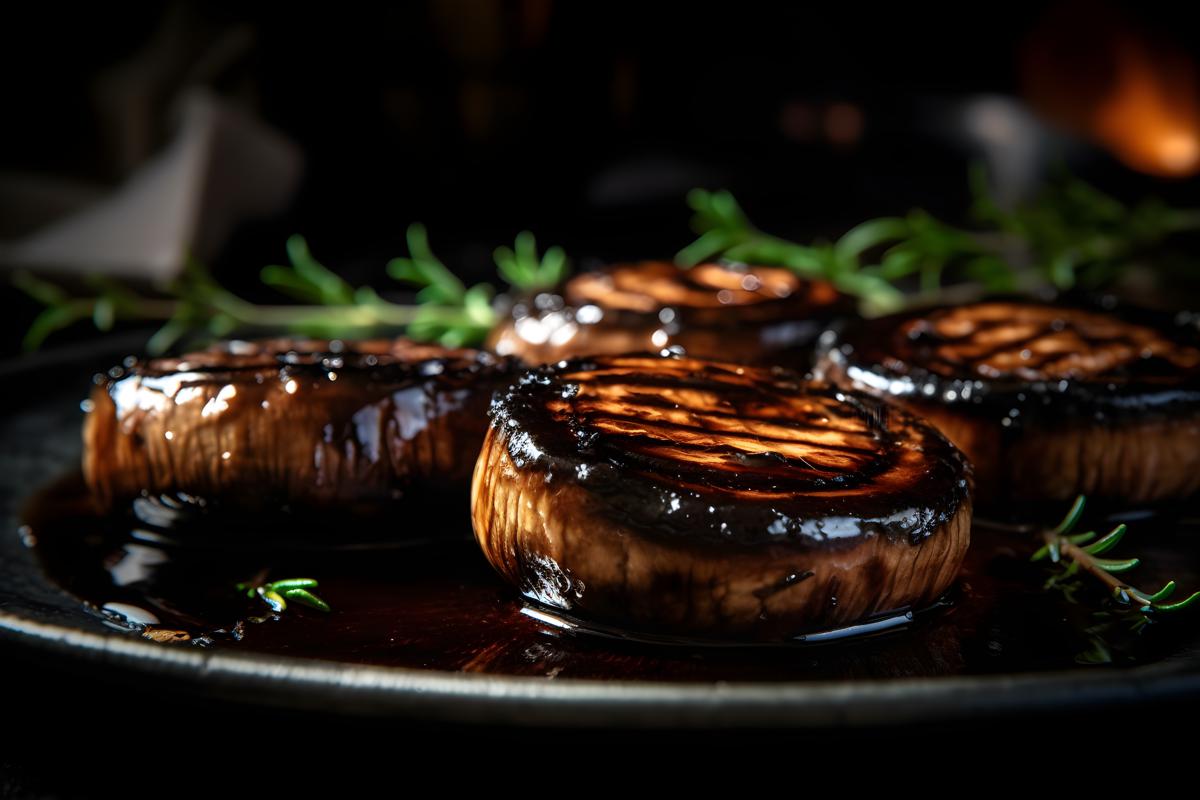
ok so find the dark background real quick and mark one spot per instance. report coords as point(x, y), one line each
point(584, 122)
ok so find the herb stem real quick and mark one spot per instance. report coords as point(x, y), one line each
point(375, 314)
point(444, 309)
point(1078, 555)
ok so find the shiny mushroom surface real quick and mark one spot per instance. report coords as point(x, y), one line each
point(296, 423)
point(746, 314)
point(1047, 401)
point(715, 500)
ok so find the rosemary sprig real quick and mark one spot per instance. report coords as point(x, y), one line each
point(445, 310)
point(1070, 233)
point(1074, 234)
point(276, 593)
point(1079, 554)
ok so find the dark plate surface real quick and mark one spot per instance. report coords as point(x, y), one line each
point(429, 632)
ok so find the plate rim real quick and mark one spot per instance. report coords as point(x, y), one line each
point(372, 690)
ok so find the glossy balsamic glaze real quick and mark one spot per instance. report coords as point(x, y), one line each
point(681, 448)
point(699, 498)
point(728, 312)
point(1040, 359)
point(1047, 401)
point(289, 423)
point(439, 606)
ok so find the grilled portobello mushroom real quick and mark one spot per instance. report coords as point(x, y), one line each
point(287, 423)
point(672, 494)
point(731, 312)
point(1048, 401)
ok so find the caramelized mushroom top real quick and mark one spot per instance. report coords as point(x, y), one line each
point(707, 449)
point(1024, 354)
point(734, 312)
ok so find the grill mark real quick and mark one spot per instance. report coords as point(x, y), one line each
point(793, 416)
point(734, 446)
point(819, 443)
point(796, 462)
point(721, 392)
point(677, 381)
point(652, 284)
point(753, 486)
point(1095, 336)
point(698, 429)
point(586, 422)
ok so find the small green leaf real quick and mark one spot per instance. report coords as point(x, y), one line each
point(330, 287)
point(554, 265)
point(705, 248)
point(288, 281)
point(477, 303)
point(521, 268)
point(871, 234)
point(1179, 606)
point(221, 325)
point(898, 263)
point(722, 207)
point(44, 292)
point(166, 336)
point(1096, 653)
point(1108, 542)
point(1109, 565)
point(509, 267)
point(403, 269)
point(292, 583)
point(1162, 594)
point(526, 248)
point(1072, 517)
point(439, 285)
point(273, 599)
point(307, 598)
point(53, 319)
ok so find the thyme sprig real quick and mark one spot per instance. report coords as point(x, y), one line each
point(520, 265)
point(276, 593)
point(445, 310)
point(1076, 555)
point(1069, 234)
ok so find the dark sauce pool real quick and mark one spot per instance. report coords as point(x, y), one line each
point(437, 605)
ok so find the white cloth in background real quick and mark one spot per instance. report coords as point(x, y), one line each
point(222, 168)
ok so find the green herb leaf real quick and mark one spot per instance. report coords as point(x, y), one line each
point(1162, 594)
point(1179, 606)
point(1111, 540)
point(305, 597)
point(1130, 609)
point(293, 583)
point(276, 593)
point(273, 599)
point(522, 269)
point(1110, 565)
